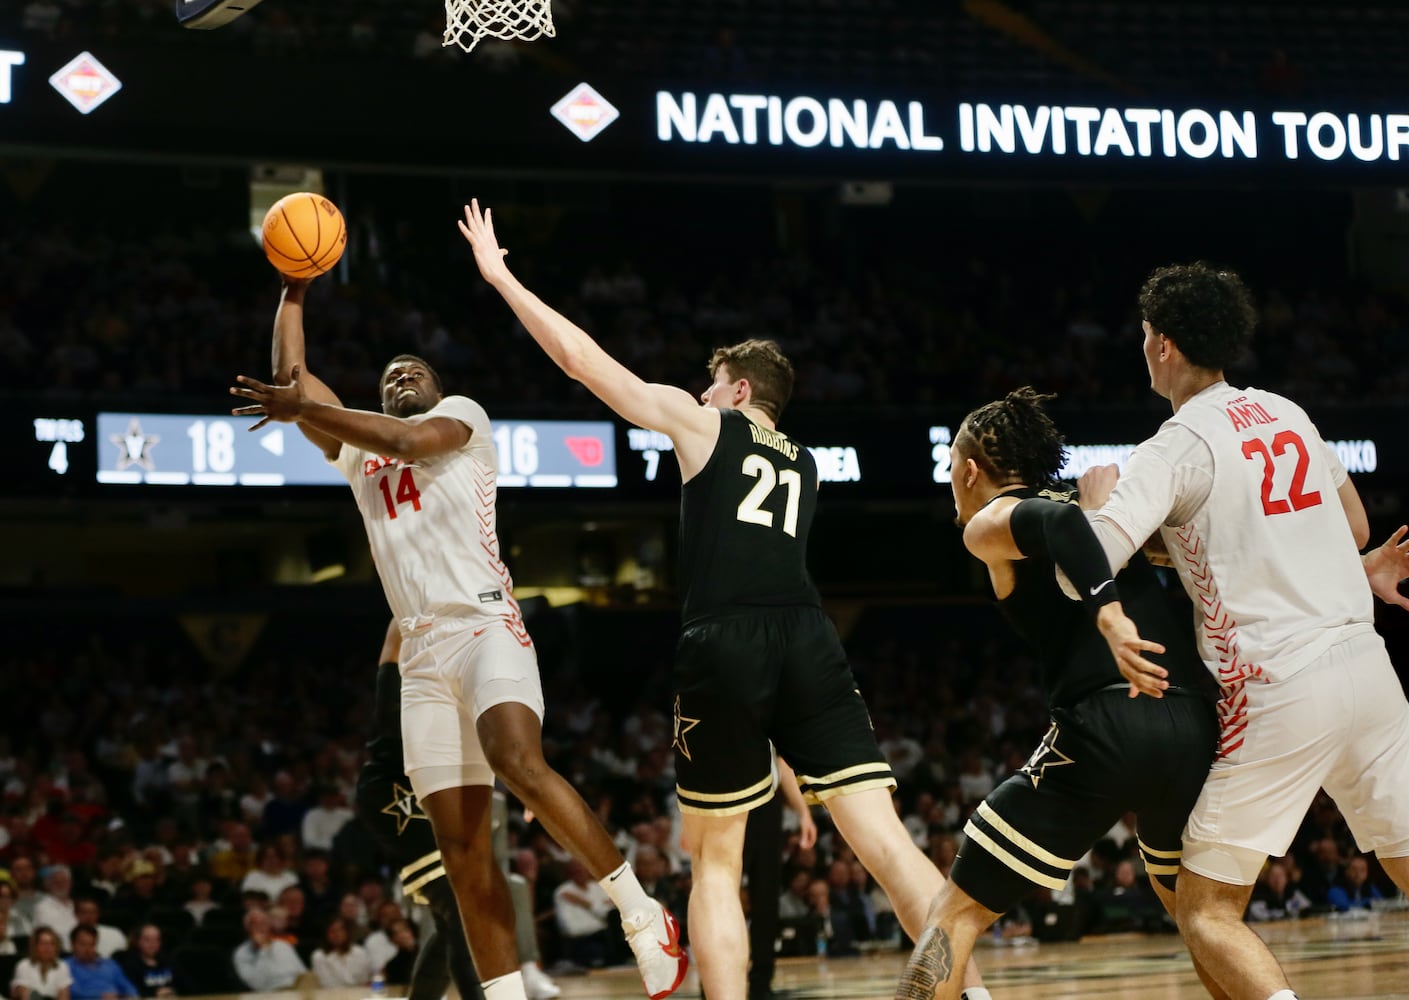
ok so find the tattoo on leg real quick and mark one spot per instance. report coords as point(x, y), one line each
point(930, 964)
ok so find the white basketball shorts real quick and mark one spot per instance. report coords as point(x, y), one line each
point(451, 674)
point(1341, 722)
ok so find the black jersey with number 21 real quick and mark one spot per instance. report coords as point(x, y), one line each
point(744, 520)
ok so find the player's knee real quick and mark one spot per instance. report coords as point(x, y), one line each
point(521, 767)
point(467, 866)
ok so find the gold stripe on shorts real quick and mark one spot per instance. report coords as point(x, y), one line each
point(1000, 852)
point(1167, 855)
point(422, 862)
point(1030, 846)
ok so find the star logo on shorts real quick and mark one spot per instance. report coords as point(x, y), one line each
point(403, 807)
point(683, 725)
point(1046, 755)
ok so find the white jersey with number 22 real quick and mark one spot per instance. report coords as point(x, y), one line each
point(1244, 491)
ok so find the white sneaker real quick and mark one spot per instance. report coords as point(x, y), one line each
point(537, 984)
point(654, 937)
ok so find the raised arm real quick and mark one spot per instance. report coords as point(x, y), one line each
point(663, 408)
point(288, 353)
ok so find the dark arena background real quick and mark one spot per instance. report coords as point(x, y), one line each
point(927, 203)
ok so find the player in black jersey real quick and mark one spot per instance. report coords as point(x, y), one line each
point(388, 808)
point(1108, 751)
point(758, 663)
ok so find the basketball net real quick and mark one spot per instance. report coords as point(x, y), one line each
point(467, 21)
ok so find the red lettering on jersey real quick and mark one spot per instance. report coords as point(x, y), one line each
point(1244, 415)
point(374, 465)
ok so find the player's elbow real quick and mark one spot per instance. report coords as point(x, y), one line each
point(574, 364)
point(406, 445)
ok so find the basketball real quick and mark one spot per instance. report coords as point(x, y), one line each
point(304, 235)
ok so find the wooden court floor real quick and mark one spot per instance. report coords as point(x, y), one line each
point(1324, 958)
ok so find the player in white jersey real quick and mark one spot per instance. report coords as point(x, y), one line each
point(1264, 527)
point(423, 472)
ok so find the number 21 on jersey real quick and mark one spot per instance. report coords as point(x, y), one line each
point(406, 491)
point(751, 509)
point(1297, 498)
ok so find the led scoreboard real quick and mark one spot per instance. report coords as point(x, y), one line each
point(75, 451)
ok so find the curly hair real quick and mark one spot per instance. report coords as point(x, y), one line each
point(1013, 439)
point(768, 370)
point(1208, 313)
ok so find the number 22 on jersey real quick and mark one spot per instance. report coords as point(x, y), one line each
point(1297, 498)
point(406, 492)
point(751, 509)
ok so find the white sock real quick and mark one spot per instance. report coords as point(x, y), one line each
point(1283, 995)
point(976, 993)
point(625, 890)
point(508, 987)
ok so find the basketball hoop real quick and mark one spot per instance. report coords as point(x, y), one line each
point(467, 21)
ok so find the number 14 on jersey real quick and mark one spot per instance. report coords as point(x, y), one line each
point(406, 491)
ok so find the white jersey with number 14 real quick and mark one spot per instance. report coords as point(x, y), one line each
point(431, 523)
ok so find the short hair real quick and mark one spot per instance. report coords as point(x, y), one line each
point(416, 359)
point(1208, 313)
point(768, 370)
point(81, 929)
point(1013, 439)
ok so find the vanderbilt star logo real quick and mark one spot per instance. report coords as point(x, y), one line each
point(404, 807)
point(1046, 755)
point(134, 447)
point(680, 730)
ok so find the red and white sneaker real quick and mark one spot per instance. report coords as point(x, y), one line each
point(654, 937)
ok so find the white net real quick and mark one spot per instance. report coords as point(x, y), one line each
point(467, 21)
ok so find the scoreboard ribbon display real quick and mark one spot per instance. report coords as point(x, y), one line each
point(75, 451)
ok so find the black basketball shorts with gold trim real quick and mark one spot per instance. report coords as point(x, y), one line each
point(1105, 756)
point(390, 811)
point(776, 675)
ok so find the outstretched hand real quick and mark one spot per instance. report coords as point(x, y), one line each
point(478, 230)
point(1120, 633)
point(273, 402)
point(1387, 565)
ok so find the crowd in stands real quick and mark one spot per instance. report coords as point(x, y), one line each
point(169, 828)
point(174, 316)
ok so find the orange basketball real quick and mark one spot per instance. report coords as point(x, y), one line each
point(304, 235)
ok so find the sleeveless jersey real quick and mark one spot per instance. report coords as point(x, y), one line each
point(1075, 660)
point(431, 523)
point(744, 521)
point(1268, 557)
